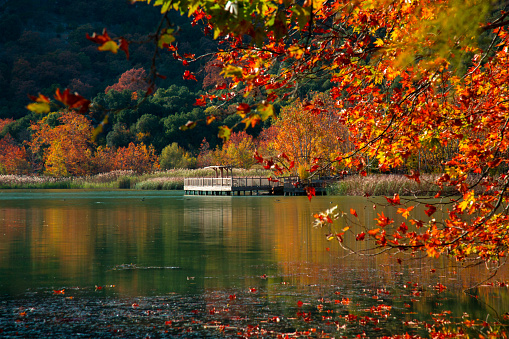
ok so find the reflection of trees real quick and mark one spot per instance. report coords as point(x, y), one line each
point(222, 242)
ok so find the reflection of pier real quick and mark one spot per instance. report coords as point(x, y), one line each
point(225, 184)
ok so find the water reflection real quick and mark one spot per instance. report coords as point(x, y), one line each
point(157, 243)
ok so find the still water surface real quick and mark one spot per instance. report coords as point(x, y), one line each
point(137, 263)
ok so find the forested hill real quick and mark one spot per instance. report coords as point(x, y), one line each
point(43, 46)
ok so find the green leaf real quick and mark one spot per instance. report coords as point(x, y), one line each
point(224, 132)
point(265, 110)
point(166, 38)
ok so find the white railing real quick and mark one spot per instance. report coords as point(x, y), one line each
point(229, 183)
point(207, 182)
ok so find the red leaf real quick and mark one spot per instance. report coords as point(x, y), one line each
point(72, 100)
point(201, 101)
point(353, 212)
point(431, 209)
point(243, 109)
point(124, 45)
point(311, 192)
point(395, 200)
point(403, 228)
point(189, 76)
point(414, 175)
point(257, 157)
point(99, 39)
point(360, 236)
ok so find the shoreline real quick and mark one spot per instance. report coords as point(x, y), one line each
point(173, 180)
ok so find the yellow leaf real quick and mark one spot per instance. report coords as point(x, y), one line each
point(210, 118)
point(405, 212)
point(468, 199)
point(110, 45)
point(295, 51)
point(379, 42)
point(39, 107)
point(232, 71)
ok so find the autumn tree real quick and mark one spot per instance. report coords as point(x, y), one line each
point(174, 156)
point(132, 80)
point(65, 149)
point(310, 133)
point(139, 158)
point(213, 77)
point(237, 151)
point(13, 158)
point(204, 157)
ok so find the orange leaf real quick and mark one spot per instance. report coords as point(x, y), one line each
point(353, 212)
point(374, 232)
point(395, 200)
point(405, 211)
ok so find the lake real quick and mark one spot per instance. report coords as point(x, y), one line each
point(160, 264)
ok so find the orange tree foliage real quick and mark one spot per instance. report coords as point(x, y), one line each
point(407, 76)
point(66, 148)
point(13, 158)
point(139, 158)
point(309, 133)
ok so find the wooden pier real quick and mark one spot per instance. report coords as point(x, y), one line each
point(225, 184)
point(231, 186)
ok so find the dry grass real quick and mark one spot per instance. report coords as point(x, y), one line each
point(386, 184)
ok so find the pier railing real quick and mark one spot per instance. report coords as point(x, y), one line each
point(229, 184)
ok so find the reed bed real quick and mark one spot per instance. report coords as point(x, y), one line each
point(160, 180)
point(33, 181)
point(388, 185)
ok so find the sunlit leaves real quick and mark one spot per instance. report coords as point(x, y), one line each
point(41, 104)
point(166, 38)
point(108, 44)
point(265, 110)
point(405, 212)
point(224, 132)
point(189, 76)
point(67, 99)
